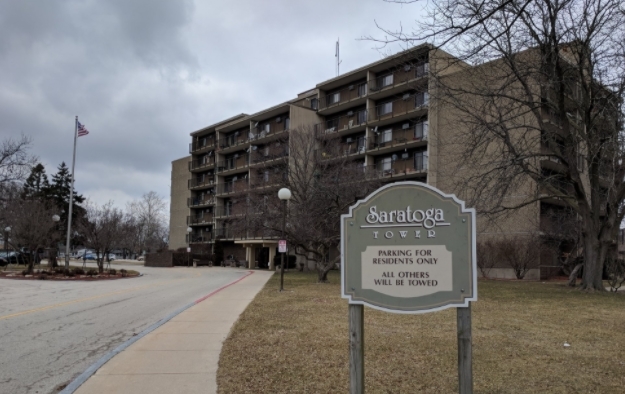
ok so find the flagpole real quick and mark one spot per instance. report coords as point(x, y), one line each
point(71, 197)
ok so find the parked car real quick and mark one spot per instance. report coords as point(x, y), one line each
point(111, 256)
point(14, 257)
point(140, 258)
point(90, 256)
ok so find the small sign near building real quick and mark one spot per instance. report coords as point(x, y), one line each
point(282, 246)
point(409, 248)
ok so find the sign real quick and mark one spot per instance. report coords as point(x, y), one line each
point(282, 246)
point(409, 248)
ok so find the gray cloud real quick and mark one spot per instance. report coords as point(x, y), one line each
point(142, 74)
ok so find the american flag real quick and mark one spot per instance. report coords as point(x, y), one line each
point(82, 130)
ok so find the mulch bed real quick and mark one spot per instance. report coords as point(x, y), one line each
point(58, 277)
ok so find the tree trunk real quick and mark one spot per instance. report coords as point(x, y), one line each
point(573, 275)
point(31, 263)
point(322, 272)
point(594, 256)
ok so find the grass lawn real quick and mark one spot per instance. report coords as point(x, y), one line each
point(297, 342)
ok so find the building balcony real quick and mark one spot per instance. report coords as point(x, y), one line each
point(205, 237)
point(201, 183)
point(204, 218)
point(235, 163)
point(234, 142)
point(410, 105)
point(402, 137)
point(352, 122)
point(267, 182)
point(269, 132)
point(394, 82)
point(354, 94)
point(268, 154)
point(202, 145)
point(197, 202)
point(200, 164)
point(399, 167)
point(233, 186)
point(230, 211)
point(350, 147)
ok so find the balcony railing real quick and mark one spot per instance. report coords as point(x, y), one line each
point(399, 136)
point(234, 139)
point(400, 76)
point(264, 154)
point(404, 105)
point(355, 147)
point(394, 168)
point(200, 238)
point(201, 163)
point(260, 181)
point(201, 182)
point(343, 96)
point(198, 202)
point(228, 211)
point(260, 132)
point(233, 163)
point(237, 186)
point(345, 122)
point(206, 217)
point(201, 145)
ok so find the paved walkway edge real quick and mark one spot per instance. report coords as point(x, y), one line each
point(82, 378)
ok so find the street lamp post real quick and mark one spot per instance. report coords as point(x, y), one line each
point(53, 264)
point(284, 194)
point(189, 231)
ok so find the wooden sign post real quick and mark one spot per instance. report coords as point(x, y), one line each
point(408, 248)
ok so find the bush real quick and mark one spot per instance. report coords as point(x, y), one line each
point(25, 272)
point(92, 272)
point(79, 271)
point(70, 274)
point(112, 271)
point(43, 276)
point(290, 262)
point(124, 273)
point(615, 271)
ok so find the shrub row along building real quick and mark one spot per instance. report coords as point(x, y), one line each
point(383, 116)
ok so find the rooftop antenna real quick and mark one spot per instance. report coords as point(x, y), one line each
point(338, 57)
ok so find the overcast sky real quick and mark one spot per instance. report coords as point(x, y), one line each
point(142, 74)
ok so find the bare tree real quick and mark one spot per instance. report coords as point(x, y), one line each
point(324, 181)
point(101, 229)
point(15, 162)
point(31, 225)
point(150, 216)
point(538, 91)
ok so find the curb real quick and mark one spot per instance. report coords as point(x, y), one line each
point(82, 378)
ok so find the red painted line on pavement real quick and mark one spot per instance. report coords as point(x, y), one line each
point(223, 287)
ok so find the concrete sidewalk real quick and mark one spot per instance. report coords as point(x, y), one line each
point(182, 355)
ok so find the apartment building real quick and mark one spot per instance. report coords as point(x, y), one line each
point(379, 115)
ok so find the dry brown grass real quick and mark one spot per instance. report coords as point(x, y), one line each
point(297, 342)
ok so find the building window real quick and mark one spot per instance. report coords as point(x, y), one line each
point(314, 104)
point(386, 164)
point(266, 176)
point(421, 130)
point(387, 80)
point(421, 99)
point(385, 108)
point(420, 160)
point(362, 90)
point(361, 117)
point(386, 136)
point(287, 123)
point(334, 98)
point(422, 70)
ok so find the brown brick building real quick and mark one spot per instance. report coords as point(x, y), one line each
point(380, 115)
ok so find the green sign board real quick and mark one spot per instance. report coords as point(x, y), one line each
point(409, 248)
